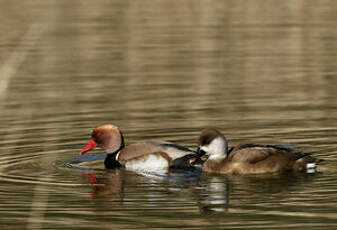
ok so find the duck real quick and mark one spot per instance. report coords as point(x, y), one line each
point(249, 158)
point(152, 155)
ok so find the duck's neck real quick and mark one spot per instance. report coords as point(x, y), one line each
point(111, 159)
point(215, 164)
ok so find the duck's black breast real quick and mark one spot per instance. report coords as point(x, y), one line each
point(110, 161)
point(184, 162)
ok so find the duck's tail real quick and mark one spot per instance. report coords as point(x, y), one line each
point(306, 163)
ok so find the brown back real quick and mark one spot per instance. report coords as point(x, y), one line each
point(256, 160)
point(137, 150)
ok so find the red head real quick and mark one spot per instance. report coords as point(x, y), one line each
point(107, 137)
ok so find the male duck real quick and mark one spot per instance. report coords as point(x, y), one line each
point(142, 156)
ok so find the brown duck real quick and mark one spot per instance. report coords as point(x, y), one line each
point(250, 158)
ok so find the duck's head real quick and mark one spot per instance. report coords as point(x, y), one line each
point(212, 143)
point(108, 137)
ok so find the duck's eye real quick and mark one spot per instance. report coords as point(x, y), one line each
point(98, 137)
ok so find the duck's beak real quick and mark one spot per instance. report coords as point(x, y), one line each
point(89, 147)
point(198, 156)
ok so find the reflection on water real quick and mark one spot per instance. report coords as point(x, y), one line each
point(210, 194)
point(260, 71)
point(214, 195)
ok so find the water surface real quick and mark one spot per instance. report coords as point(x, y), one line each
point(260, 71)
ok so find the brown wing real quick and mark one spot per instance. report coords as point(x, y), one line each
point(137, 150)
point(256, 153)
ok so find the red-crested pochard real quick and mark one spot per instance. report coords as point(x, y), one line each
point(250, 158)
point(142, 156)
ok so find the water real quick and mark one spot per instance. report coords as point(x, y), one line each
point(260, 71)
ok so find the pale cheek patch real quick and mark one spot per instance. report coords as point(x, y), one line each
point(216, 148)
point(205, 148)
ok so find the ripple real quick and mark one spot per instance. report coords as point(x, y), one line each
point(35, 180)
point(163, 70)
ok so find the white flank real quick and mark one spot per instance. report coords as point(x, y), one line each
point(153, 163)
